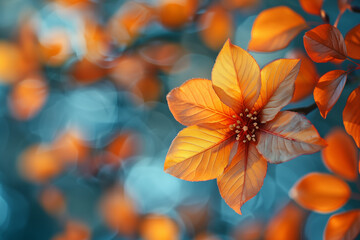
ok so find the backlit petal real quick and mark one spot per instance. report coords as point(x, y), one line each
point(198, 154)
point(277, 87)
point(236, 78)
point(287, 136)
point(243, 178)
point(196, 103)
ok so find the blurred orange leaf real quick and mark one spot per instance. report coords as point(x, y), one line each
point(351, 116)
point(74, 231)
point(129, 21)
point(119, 212)
point(159, 227)
point(287, 224)
point(86, 72)
point(325, 43)
point(341, 154)
point(307, 78)
point(216, 26)
point(249, 230)
point(241, 4)
point(174, 14)
point(12, 65)
point(321, 192)
point(274, 28)
point(312, 6)
point(343, 5)
point(28, 97)
point(53, 200)
point(329, 89)
point(345, 225)
point(352, 41)
point(148, 89)
point(123, 146)
point(38, 164)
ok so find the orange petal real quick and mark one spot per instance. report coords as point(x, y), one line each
point(352, 41)
point(159, 227)
point(243, 178)
point(312, 6)
point(196, 103)
point(28, 97)
point(274, 28)
point(277, 87)
point(320, 192)
point(198, 154)
point(345, 225)
point(351, 116)
point(340, 156)
point(287, 136)
point(236, 78)
point(286, 224)
point(325, 43)
point(329, 89)
point(307, 77)
point(216, 26)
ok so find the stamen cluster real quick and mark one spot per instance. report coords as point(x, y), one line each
point(245, 126)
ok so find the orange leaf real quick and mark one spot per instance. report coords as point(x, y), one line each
point(28, 97)
point(236, 78)
point(286, 224)
point(12, 66)
point(312, 6)
point(74, 231)
point(198, 154)
point(291, 135)
point(325, 43)
point(277, 87)
point(329, 89)
point(243, 178)
point(274, 28)
point(307, 77)
point(343, 5)
point(216, 26)
point(53, 201)
point(321, 192)
point(340, 156)
point(352, 41)
point(38, 164)
point(87, 72)
point(345, 225)
point(159, 227)
point(351, 116)
point(240, 4)
point(125, 145)
point(196, 103)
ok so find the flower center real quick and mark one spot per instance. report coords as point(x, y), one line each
point(245, 126)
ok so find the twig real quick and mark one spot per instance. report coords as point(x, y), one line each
point(304, 110)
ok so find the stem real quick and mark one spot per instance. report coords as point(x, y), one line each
point(338, 18)
point(305, 110)
point(349, 59)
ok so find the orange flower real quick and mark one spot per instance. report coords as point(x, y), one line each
point(235, 126)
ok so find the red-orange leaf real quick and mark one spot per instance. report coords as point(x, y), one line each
point(244, 177)
point(343, 5)
point(274, 29)
point(345, 225)
point(321, 192)
point(329, 89)
point(307, 77)
point(198, 154)
point(325, 43)
point(352, 41)
point(340, 156)
point(196, 103)
point(351, 116)
point(286, 224)
point(312, 6)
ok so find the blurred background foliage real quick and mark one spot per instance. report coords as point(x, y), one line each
point(85, 125)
